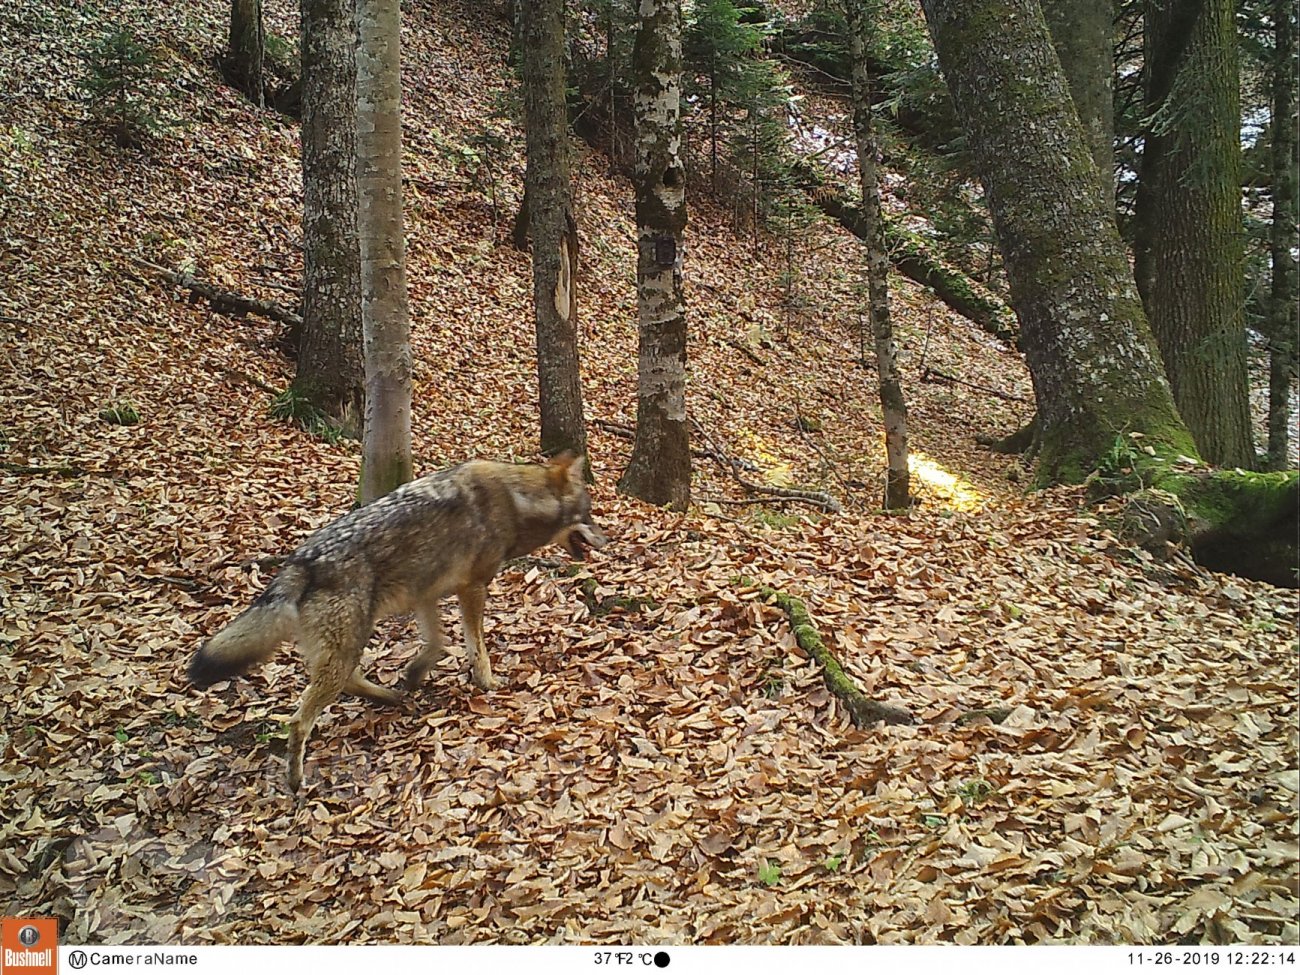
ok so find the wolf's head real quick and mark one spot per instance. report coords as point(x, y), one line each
point(577, 532)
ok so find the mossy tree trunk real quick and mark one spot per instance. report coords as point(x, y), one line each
point(386, 448)
point(1096, 370)
point(863, 16)
point(1097, 373)
point(1082, 35)
point(553, 227)
point(1282, 328)
point(246, 50)
point(659, 470)
point(1188, 222)
point(331, 371)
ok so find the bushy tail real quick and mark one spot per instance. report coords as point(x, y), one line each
point(254, 635)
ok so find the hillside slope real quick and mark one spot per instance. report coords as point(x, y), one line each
point(664, 763)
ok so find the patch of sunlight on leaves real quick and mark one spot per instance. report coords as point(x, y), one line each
point(956, 493)
point(776, 471)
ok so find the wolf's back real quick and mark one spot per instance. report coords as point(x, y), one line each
point(254, 635)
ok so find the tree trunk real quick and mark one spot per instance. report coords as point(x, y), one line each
point(1096, 371)
point(1282, 326)
point(246, 50)
point(1081, 33)
point(331, 370)
point(862, 22)
point(660, 467)
point(386, 452)
point(1188, 224)
point(553, 228)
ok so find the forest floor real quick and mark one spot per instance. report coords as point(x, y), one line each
point(664, 764)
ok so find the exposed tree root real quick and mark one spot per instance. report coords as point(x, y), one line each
point(1235, 521)
point(862, 710)
point(1013, 443)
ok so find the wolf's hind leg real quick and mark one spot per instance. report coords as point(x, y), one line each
point(472, 599)
point(332, 639)
point(359, 685)
point(434, 646)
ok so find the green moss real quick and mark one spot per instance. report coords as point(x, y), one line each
point(861, 708)
point(1245, 500)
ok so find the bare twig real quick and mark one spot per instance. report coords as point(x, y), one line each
point(627, 433)
point(818, 498)
point(747, 351)
point(930, 375)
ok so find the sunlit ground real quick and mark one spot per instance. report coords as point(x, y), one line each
point(950, 489)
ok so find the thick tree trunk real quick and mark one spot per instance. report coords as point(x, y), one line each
point(660, 467)
point(553, 228)
point(386, 452)
point(246, 49)
point(1282, 326)
point(1096, 371)
point(1188, 223)
point(331, 370)
point(862, 18)
point(1082, 35)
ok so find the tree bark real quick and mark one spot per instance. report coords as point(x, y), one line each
point(862, 18)
point(911, 260)
point(386, 450)
point(1097, 373)
point(659, 470)
point(1282, 326)
point(1082, 35)
point(553, 228)
point(331, 370)
point(1188, 224)
point(246, 50)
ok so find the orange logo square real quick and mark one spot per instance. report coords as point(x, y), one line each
point(29, 945)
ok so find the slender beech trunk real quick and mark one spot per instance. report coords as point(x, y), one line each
point(331, 369)
point(862, 22)
point(1282, 242)
point(1189, 235)
point(1096, 370)
point(386, 452)
point(660, 468)
point(246, 50)
point(1082, 33)
point(553, 227)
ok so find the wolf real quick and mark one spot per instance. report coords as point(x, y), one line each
point(447, 532)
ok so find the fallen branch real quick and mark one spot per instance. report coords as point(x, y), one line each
point(246, 378)
point(954, 289)
point(627, 433)
point(862, 710)
point(803, 427)
point(62, 470)
point(930, 375)
point(745, 350)
point(819, 499)
point(225, 302)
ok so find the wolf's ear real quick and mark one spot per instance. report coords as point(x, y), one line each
point(564, 466)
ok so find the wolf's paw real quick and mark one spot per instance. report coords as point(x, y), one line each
point(485, 682)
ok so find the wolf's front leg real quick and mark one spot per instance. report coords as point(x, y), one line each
point(472, 599)
point(434, 647)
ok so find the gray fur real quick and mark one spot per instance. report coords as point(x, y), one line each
point(444, 533)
